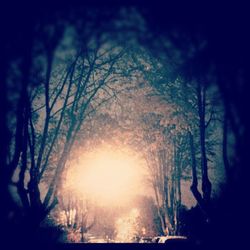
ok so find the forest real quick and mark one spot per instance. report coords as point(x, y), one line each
point(124, 121)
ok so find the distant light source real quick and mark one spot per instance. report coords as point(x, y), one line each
point(108, 176)
point(127, 227)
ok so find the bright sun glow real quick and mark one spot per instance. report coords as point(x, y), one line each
point(107, 176)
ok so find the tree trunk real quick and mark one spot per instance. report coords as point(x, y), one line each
point(206, 184)
point(178, 189)
point(194, 185)
point(21, 185)
point(161, 217)
point(224, 146)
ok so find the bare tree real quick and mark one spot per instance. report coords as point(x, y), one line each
point(56, 95)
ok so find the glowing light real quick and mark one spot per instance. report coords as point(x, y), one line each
point(107, 176)
point(127, 227)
